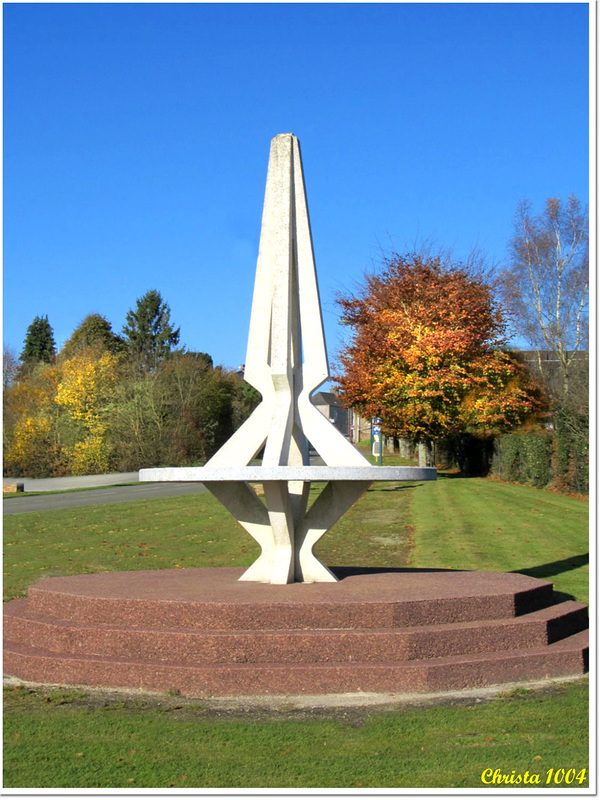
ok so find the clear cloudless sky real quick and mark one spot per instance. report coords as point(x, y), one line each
point(136, 142)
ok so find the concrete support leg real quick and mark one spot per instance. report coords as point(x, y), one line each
point(333, 502)
point(285, 531)
point(241, 501)
point(282, 525)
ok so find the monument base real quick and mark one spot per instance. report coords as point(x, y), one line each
point(202, 632)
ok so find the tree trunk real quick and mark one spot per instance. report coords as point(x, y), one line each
point(404, 447)
point(425, 451)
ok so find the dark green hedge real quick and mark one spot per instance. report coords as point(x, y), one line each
point(572, 449)
point(557, 458)
point(524, 458)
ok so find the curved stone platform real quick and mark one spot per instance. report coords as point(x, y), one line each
point(201, 631)
point(308, 474)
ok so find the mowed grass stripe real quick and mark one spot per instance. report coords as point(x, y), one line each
point(482, 524)
point(187, 531)
point(475, 524)
point(375, 532)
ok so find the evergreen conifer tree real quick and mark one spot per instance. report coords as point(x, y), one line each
point(94, 331)
point(39, 342)
point(148, 331)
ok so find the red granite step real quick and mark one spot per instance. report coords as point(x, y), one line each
point(203, 632)
point(215, 599)
point(535, 629)
point(564, 658)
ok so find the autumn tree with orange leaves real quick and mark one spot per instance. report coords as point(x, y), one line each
point(426, 354)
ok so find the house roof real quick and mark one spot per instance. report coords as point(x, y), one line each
point(326, 399)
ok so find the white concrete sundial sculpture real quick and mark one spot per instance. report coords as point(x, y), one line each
point(286, 362)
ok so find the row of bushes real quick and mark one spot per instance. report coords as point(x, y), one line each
point(556, 458)
point(525, 458)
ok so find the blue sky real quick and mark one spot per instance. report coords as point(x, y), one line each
point(136, 141)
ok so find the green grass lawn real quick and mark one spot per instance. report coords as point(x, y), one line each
point(55, 740)
point(71, 740)
point(482, 524)
point(177, 532)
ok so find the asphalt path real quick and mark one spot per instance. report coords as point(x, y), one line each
point(93, 495)
point(96, 497)
point(74, 481)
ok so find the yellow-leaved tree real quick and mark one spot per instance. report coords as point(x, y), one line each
point(31, 444)
point(85, 391)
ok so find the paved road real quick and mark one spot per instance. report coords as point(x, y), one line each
point(93, 497)
point(74, 481)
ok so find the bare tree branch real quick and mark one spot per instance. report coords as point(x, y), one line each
point(546, 285)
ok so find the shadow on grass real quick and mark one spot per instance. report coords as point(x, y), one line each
point(444, 474)
point(541, 572)
point(349, 572)
point(394, 488)
point(440, 475)
point(556, 567)
point(553, 568)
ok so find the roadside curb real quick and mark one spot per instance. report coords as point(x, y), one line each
point(293, 703)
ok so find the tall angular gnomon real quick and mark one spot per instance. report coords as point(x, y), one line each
point(286, 362)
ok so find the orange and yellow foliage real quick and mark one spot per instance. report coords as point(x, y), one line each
point(86, 385)
point(426, 354)
point(85, 389)
point(30, 443)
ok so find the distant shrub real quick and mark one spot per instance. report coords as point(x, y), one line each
point(556, 458)
point(572, 450)
point(524, 458)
